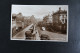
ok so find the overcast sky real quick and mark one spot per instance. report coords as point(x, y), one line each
point(37, 10)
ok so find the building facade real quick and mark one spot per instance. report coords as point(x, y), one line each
point(60, 20)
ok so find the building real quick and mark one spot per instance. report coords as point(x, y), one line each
point(19, 21)
point(47, 19)
point(60, 20)
point(47, 22)
point(27, 21)
point(33, 20)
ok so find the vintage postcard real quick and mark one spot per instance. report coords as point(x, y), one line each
point(39, 23)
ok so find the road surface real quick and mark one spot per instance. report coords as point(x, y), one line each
point(21, 34)
point(55, 36)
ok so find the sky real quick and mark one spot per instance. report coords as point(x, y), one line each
point(39, 11)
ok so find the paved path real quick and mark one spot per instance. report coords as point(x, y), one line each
point(21, 34)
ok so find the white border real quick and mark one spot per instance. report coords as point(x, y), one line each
point(11, 25)
point(40, 40)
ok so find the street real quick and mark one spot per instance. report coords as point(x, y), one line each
point(21, 34)
point(55, 36)
point(38, 32)
point(45, 23)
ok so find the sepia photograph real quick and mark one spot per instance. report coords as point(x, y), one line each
point(39, 23)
